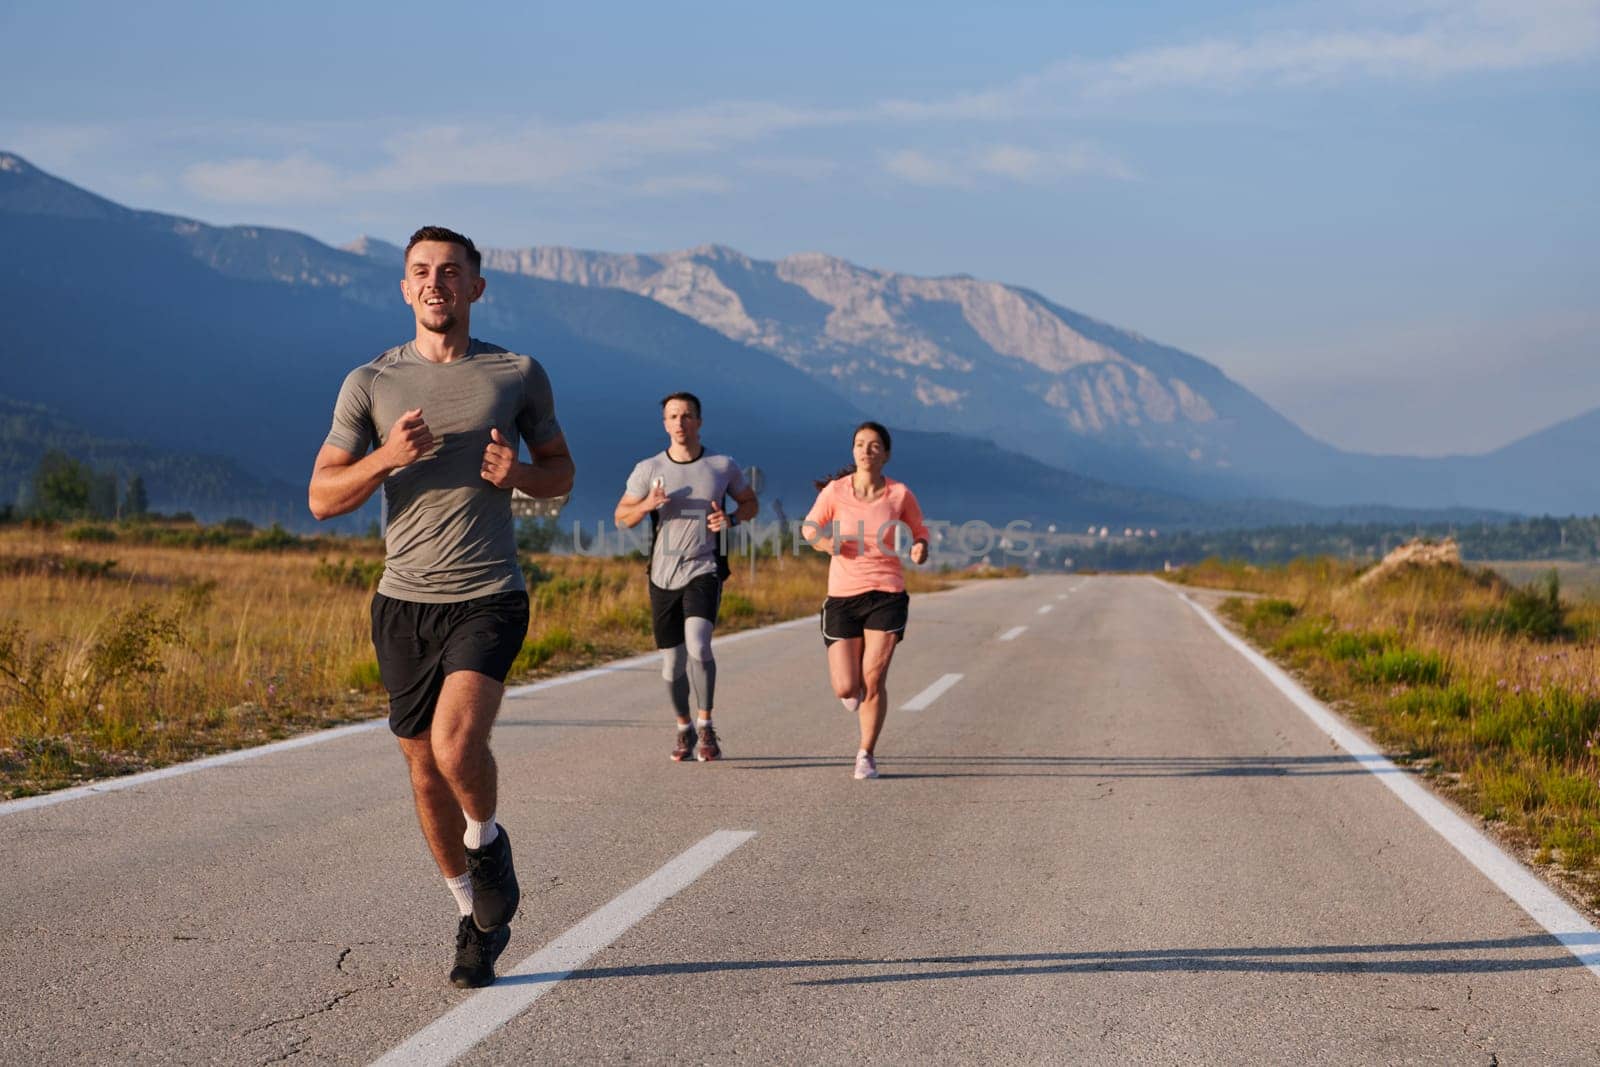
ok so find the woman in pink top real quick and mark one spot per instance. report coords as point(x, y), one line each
point(865, 522)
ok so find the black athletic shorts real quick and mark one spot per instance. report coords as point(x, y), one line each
point(418, 644)
point(700, 599)
point(847, 616)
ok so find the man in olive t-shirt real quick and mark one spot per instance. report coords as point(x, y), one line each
point(434, 423)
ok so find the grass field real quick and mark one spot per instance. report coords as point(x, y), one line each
point(118, 655)
point(1579, 581)
point(1490, 688)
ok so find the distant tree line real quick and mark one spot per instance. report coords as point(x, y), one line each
point(63, 489)
point(1546, 537)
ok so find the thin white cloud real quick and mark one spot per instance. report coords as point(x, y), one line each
point(685, 185)
point(800, 168)
point(1034, 166)
point(1007, 162)
point(1439, 39)
point(919, 169)
point(264, 181)
point(1414, 39)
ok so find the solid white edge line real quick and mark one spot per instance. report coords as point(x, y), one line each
point(112, 785)
point(1564, 922)
point(1013, 633)
point(922, 700)
point(458, 1030)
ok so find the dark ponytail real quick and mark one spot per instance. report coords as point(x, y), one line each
point(883, 435)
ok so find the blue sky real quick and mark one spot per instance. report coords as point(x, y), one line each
point(1382, 217)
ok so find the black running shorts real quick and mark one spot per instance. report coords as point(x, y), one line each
point(700, 599)
point(418, 644)
point(847, 616)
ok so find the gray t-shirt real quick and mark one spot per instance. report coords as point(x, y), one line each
point(685, 548)
point(450, 535)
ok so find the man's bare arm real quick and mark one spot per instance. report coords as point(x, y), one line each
point(748, 505)
point(342, 481)
point(550, 474)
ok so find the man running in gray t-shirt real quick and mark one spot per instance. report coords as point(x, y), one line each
point(435, 423)
point(682, 490)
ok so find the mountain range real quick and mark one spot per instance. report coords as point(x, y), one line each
point(1007, 364)
point(232, 341)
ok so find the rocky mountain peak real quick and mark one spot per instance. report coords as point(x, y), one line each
point(375, 248)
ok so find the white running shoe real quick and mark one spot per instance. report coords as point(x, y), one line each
point(866, 766)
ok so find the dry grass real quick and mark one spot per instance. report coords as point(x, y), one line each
point(1469, 679)
point(117, 657)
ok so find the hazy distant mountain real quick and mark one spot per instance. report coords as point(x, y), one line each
point(234, 340)
point(1007, 364)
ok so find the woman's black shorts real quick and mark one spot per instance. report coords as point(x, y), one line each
point(846, 616)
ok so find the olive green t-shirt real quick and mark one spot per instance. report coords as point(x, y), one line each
point(450, 534)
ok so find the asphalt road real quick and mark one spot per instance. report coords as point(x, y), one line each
point(1111, 840)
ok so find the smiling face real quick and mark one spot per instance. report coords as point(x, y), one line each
point(440, 285)
point(869, 451)
point(682, 424)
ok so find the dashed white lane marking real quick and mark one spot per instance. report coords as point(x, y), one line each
point(1013, 633)
point(1563, 921)
point(938, 689)
point(1047, 609)
point(459, 1029)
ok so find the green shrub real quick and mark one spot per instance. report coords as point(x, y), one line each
point(1357, 644)
point(1267, 612)
point(1533, 610)
point(1401, 666)
point(737, 606)
point(365, 676)
point(555, 640)
point(356, 573)
point(91, 532)
point(272, 539)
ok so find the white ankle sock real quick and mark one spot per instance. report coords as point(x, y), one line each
point(701, 724)
point(461, 889)
point(480, 834)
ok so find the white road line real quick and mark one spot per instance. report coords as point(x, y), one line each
point(112, 785)
point(1047, 609)
point(459, 1029)
point(938, 689)
point(1013, 633)
point(1061, 596)
point(1564, 922)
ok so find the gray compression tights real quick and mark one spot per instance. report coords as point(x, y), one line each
point(689, 669)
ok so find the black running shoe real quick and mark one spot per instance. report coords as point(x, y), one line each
point(494, 882)
point(476, 952)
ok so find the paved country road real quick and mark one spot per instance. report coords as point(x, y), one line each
point(1110, 840)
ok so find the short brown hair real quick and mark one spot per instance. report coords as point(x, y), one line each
point(688, 398)
point(439, 233)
